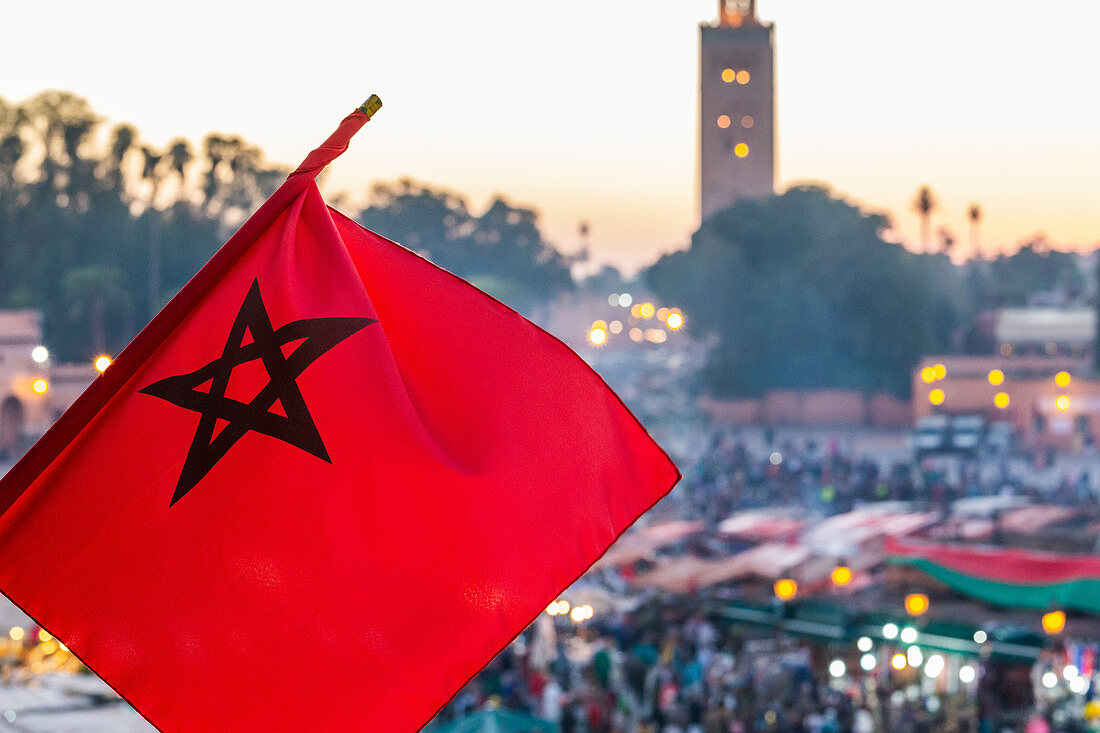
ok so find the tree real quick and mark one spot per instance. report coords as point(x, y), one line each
point(802, 292)
point(77, 218)
point(92, 294)
point(974, 213)
point(1033, 270)
point(924, 204)
point(502, 251)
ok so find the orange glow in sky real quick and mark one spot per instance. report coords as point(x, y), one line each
point(589, 111)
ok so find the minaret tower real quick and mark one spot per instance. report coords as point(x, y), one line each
point(736, 107)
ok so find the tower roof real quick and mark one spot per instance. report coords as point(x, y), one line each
point(735, 13)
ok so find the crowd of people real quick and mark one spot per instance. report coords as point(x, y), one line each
point(672, 665)
point(665, 668)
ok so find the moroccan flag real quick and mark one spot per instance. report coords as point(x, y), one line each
point(323, 487)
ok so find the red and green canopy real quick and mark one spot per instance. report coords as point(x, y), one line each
point(1007, 577)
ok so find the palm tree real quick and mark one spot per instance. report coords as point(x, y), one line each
point(975, 214)
point(179, 155)
point(153, 173)
point(924, 204)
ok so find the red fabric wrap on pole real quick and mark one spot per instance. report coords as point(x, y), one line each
point(322, 488)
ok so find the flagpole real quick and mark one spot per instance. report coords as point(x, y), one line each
point(372, 105)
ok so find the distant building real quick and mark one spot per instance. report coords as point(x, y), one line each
point(737, 107)
point(1051, 401)
point(33, 393)
point(1046, 331)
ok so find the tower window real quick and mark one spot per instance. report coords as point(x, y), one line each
point(741, 150)
point(728, 75)
point(746, 121)
point(724, 121)
point(742, 77)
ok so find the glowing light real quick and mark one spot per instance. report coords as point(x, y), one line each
point(741, 150)
point(1050, 680)
point(775, 458)
point(656, 335)
point(1079, 685)
point(16, 633)
point(625, 300)
point(1070, 672)
point(936, 396)
point(1062, 379)
point(785, 589)
point(636, 310)
point(742, 77)
point(581, 613)
point(662, 314)
point(647, 310)
point(864, 644)
point(928, 375)
point(980, 637)
point(842, 575)
point(939, 370)
point(867, 662)
point(616, 327)
point(102, 362)
point(613, 299)
point(674, 320)
point(728, 75)
point(967, 674)
point(935, 666)
point(996, 377)
point(1001, 400)
point(899, 662)
point(916, 604)
point(636, 334)
point(723, 121)
point(40, 354)
point(40, 386)
point(890, 631)
point(597, 336)
point(1054, 622)
point(908, 635)
point(747, 121)
point(44, 635)
point(49, 647)
point(837, 668)
point(1062, 403)
point(558, 608)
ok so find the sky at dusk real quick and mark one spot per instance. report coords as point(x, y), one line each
point(587, 109)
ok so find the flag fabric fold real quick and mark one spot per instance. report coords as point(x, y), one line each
point(323, 487)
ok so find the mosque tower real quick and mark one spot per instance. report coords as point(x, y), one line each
point(736, 107)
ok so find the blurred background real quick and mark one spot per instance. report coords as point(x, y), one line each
point(838, 258)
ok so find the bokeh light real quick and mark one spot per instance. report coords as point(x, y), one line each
point(785, 589)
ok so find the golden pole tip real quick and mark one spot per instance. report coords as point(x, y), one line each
point(372, 105)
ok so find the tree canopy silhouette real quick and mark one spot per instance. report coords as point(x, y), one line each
point(802, 291)
point(99, 229)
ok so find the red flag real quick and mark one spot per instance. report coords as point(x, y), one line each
point(323, 487)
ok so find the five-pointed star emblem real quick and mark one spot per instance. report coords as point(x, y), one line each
point(295, 426)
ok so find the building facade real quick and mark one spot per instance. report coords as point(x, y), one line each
point(1051, 401)
point(33, 391)
point(736, 108)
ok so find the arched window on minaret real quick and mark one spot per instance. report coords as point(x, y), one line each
point(737, 12)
